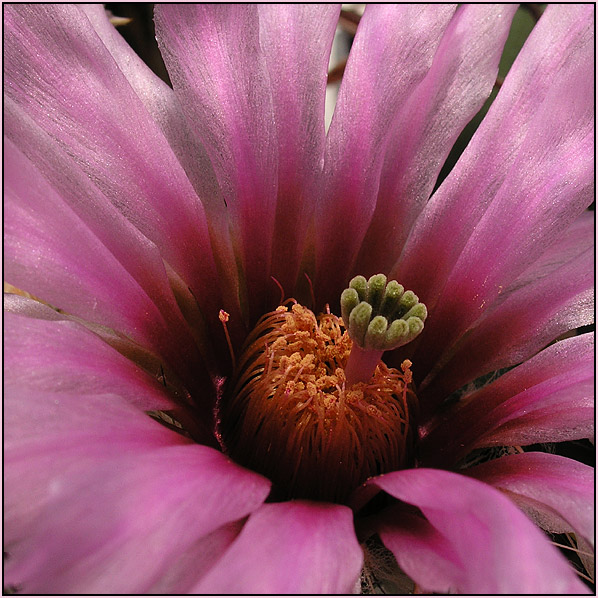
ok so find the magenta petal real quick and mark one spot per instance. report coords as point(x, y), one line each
point(150, 362)
point(220, 77)
point(549, 398)
point(65, 356)
point(557, 492)
point(475, 540)
point(460, 79)
point(294, 547)
point(391, 54)
point(560, 37)
point(292, 35)
point(120, 526)
point(553, 296)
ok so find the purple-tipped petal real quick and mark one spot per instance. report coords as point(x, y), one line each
point(122, 524)
point(553, 296)
point(475, 540)
point(460, 79)
point(549, 398)
point(557, 492)
point(220, 77)
point(290, 548)
point(391, 54)
point(60, 73)
point(66, 357)
point(526, 175)
point(293, 35)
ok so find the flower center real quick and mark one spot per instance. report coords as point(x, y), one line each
point(313, 410)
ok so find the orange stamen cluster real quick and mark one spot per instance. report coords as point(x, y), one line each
point(290, 414)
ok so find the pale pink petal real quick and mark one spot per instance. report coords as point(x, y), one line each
point(576, 239)
point(61, 74)
point(64, 356)
point(545, 191)
point(137, 255)
point(120, 526)
point(460, 79)
point(52, 253)
point(553, 296)
point(557, 492)
point(294, 547)
point(475, 540)
point(391, 54)
point(549, 398)
point(524, 177)
point(220, 77)
point(18, 304)
point(161, 102)
point(293, 35)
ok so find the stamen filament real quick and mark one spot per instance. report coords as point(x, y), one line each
point(224, 316)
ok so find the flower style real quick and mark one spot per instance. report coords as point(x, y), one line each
point(155, 225)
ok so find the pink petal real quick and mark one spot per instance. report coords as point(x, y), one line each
point(534, 179)
point(196, 561)
point(48, 251)
point(294, 547)
point(474, 540)
point(52, 253)
point(19, 305)
point(460, 79)
point(65, 356)
point(161, 102)
point(391, 54)
point(553, 296)
point(556, 491)
point(292, 35)
point(546, 399)
point(120, 526)
point(48, 434)
point(220, 77)
point(60, 73)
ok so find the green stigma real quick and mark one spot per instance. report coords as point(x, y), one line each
point(381, 315)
